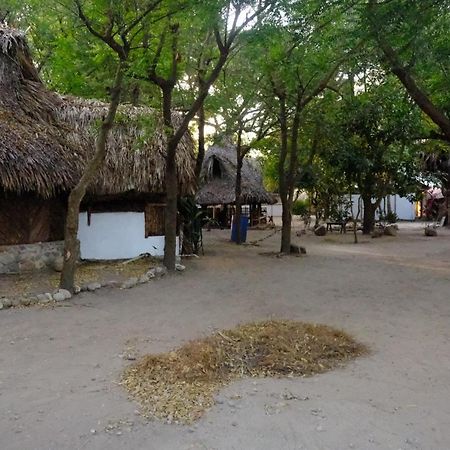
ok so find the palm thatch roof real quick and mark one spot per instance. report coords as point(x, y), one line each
point(46, 139)
point(218, 179)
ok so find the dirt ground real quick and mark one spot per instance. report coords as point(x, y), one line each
point(59, 367)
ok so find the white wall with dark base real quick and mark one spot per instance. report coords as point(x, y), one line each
point(116, 235)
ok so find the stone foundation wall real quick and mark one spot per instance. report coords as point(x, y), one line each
point(31, 257)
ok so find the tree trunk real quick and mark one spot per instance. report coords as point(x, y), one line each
point(388, 204)
point(171, 182)
point(355, 219)
point(201, 143)
point(287, 196)
point(369, 215)
point(286, 228)
point(286, 175)
point(282, 179)
point(71, 243)
point(238, 196)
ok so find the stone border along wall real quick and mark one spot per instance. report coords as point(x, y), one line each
point(61, 294)
point(31, 257)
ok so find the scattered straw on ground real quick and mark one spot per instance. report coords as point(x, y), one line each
point(87, 272)
point(180, 385)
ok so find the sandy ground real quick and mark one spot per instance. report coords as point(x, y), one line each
point(59, 367)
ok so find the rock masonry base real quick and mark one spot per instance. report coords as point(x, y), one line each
point(31, 257)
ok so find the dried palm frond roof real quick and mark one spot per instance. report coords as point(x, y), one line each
point(46, 139)
point(218, 179)
point(137, 147)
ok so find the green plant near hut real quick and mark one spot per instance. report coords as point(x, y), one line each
point(192, 220)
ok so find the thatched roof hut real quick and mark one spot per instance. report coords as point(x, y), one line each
point(46, 139)
point(45, 142)
point(218, 179)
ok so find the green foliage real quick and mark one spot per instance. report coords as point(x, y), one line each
point(374, 145)
point(359, 134)
point(300, 207)
point(390, 217)
point(193, 220)
point(418, 30)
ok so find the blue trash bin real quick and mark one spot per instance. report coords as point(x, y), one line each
point(244, 227)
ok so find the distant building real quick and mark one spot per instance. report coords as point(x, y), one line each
point(218, 181)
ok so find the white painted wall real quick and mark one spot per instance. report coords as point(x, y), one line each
point(404, 209)
point(117, 235)
point(274, 210)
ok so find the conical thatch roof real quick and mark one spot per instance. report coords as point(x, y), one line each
point(218, 179)
point(46, 139)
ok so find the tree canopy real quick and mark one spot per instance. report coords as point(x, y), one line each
point(335, 95)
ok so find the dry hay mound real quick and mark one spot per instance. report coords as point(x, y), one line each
point(179, 385)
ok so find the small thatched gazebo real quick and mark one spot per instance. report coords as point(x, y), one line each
point(218, 182)
point(46, 140)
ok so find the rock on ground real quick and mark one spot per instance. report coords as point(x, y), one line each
point(6, 302)
point(297, 250)
point(59, 297)
point(160, 271)
point(377, 233)
point(390, 230)
point(93, 286)
point(429, 231)
point(320, 230)
point(131, 282)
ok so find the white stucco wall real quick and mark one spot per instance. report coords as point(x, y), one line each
point(117, 235)
point(404, 209)
point(274, 210)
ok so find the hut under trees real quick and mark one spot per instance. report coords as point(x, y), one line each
point(217, 187)
point(45, 142)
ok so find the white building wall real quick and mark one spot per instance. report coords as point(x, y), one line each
point(404, 209)
point(274, 210)
point(117, 235)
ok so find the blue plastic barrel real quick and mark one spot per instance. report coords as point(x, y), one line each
point(244, 227)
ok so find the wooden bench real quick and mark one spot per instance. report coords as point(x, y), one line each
point(340, 224)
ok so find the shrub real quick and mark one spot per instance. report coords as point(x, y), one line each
point(391, 217)
point(300, 208)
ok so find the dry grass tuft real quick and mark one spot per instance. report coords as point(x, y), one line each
point(179, 385)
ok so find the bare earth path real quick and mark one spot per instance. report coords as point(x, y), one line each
point(59, 366)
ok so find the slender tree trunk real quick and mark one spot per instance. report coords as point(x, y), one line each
point(369, 215)
point(238, 195)
point(355, 219)
point(287, 195)
point(282, 179)
point(171, 182)
point(174, 136)
point(171, 210)
point(201, 142)
point(286, 229)
point(71, 243)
